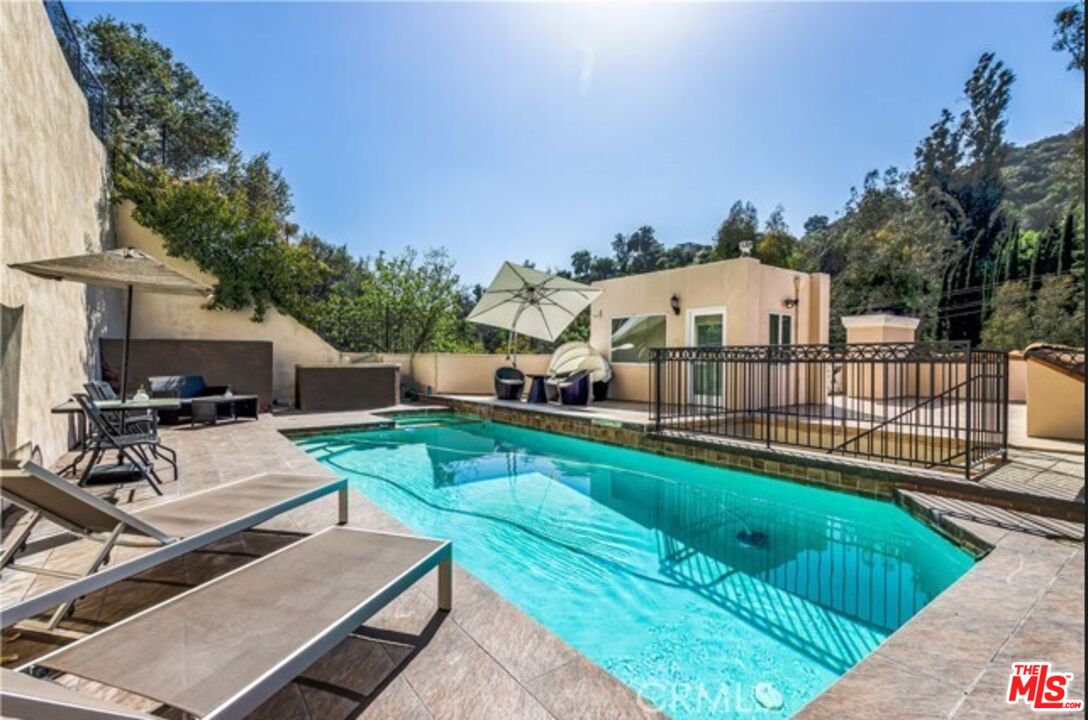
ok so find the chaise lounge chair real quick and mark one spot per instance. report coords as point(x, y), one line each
point(172, 528)
point(223, 648)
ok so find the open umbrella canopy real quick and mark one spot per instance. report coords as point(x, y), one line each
point(530, 302)
point(121, 268)
point(125, 268)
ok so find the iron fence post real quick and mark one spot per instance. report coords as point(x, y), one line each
point(657, 389)
point(767, 397)
point(1004, 391)
point(970, 402)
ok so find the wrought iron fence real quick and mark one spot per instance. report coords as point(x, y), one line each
point(932, 405)
point(88, 82)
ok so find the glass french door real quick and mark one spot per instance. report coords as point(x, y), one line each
point(706, 328)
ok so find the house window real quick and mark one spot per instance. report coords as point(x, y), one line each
point(632, 337)
point(781, 329)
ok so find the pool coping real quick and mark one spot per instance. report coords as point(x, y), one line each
point(859, 477)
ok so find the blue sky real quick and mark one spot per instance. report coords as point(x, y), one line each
point(528, 131)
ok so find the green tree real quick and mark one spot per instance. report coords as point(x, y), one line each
point(1009, 325)
point(958, 173)
point(161, 113)
point(638, 252)
point(1069, 34)
point(740, 225)
point(776, 245)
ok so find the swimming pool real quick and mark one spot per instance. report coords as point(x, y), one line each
point(712, 592)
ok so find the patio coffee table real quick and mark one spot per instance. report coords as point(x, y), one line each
point(213, 408)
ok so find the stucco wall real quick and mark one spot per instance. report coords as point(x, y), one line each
point(470, 374)
point(748, 290)
point(180, 317)
point(1018, 377)
point(53, 202)
point(1055, 403)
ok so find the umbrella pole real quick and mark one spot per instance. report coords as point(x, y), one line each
point(124, 351)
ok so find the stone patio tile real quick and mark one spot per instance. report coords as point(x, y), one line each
point(522, 645)
point(952, 646)
point(356, 664)
point(580, 690)
point(287, 704)
point(409, 614)
point(878, 687)
point(396, 701)
point(457, 680)
point(1027, 570)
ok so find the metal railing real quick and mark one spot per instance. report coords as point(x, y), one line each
point(932, 405)
point(88, 82)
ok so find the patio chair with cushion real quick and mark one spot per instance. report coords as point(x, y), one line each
point(171, 528)
point(184, 388)
point(574, 390)
point(509, 383)
point(223, 648)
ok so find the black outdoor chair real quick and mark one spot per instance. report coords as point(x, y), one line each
point(574, 390)
point(133, 459)
point(509, 382)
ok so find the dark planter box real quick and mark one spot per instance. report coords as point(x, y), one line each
point(323, 388)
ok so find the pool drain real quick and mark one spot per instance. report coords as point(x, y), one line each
point(751, 538)
point(768, 696)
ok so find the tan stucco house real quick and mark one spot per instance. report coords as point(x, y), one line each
point(732, 302)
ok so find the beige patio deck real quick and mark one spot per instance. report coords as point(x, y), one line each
point(486, 659)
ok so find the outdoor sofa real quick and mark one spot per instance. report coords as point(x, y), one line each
point(184, 388)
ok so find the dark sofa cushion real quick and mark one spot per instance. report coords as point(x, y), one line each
point(179, 386)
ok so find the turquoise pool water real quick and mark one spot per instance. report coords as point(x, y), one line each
point(712, 592)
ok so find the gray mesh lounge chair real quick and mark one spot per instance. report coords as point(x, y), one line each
point(22, 696)
point(221, 649)
point(172, 528)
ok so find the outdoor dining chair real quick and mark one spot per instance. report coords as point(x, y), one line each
point(140, 421)
point(134, 450)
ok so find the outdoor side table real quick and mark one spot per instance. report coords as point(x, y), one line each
point(538, 392)
point(213, 408)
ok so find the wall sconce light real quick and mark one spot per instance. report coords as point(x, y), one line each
point(674, 303)
point(791, 302)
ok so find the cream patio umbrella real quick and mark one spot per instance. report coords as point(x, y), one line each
point(125, 268)
point(530, 302)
